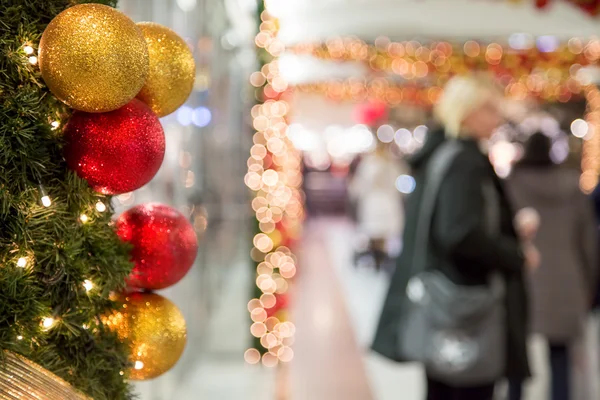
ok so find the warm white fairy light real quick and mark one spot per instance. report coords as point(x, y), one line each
point(19, 337)
point(54, 125)
point(139, 365)
point(88, 285)
point(28, 49)
point(22, 262)
point(33, 60)
point(48, 322)
point(46, 201)
point(85, 326)
point(100, 206)
point(84, 218)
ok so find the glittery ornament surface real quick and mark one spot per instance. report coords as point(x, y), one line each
point(155, 330)
point(172, 69)
point(118, 151)
point(21, 379)
point(164, 245)
point(93, 58)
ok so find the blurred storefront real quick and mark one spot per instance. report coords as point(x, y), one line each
point(202, 176)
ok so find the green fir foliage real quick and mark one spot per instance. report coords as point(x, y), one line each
point(60, 251)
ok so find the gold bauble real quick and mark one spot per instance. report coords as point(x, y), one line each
point(93, 58)
point(172, 69)
point(155, 330)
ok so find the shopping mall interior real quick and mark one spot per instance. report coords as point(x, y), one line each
point(267, 160)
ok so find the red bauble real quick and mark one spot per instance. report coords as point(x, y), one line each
point(117, 151)
point(371, 113)
point(542, 3)
point(164, 245)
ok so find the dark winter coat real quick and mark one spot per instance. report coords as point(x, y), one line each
point(461, 249)
point(562, 289)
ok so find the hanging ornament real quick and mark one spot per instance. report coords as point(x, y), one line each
point(118, 151)
point(164, 245)
point(155, 330)
point(93, 58)
point(172, 69)
point(371, 113)
point(542, 3)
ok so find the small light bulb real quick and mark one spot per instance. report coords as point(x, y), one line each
point(139, 365)
point(121, 373)
point(100, 206)
point(55, 124)
point(85, 326)
point(33, 60)
point(22, 262)
point(48, 322)
point(88, 285)
point(83, 218)
point(28, 49)
point(46, 201)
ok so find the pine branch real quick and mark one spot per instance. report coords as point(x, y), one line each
point(46, 253)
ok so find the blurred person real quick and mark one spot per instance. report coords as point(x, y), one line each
point(380, 210)
point(562, 289)
point(459, 246)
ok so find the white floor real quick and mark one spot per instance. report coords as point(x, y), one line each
point(364, 292)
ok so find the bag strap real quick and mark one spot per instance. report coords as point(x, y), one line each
point(436, 171)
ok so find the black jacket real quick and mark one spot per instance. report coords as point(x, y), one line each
point(461, 249)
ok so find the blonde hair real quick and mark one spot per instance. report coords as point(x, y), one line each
point(462, 95)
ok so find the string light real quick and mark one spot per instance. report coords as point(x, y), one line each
point(46, 202)
point(33, 60)
point(55, 125)
point(139, 365)
point(19, 337)
point(22, 262)
point(28, 49)
point(48, 323)
point(100, 206)
point(88, 285)
point(83, 218)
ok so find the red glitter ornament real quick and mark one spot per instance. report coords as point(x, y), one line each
point(117, 151)
point(164, 245)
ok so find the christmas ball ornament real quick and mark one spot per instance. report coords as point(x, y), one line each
point(164, 245)
point(93, 58)
point(172, 69)
point(118, 151)
point(155, 330)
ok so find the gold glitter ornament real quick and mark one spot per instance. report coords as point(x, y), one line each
point(155, 330)
point(93, 58)
point(172, 69)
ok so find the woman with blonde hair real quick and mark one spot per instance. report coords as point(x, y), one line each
point(470, 250)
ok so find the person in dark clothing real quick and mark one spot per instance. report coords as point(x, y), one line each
point(460, 247)
point(563, 286)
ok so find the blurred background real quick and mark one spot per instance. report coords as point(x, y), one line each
point(265, 157)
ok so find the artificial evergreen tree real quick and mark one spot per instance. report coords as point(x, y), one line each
point(59, 255)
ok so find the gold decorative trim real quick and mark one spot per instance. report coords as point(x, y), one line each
point(21, 379)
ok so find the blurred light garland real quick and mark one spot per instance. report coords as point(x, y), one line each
point(590, 157)
point(275, 175)
point(540, 67)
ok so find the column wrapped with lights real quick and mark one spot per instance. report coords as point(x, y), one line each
point(590, 157)
point(274, 175)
